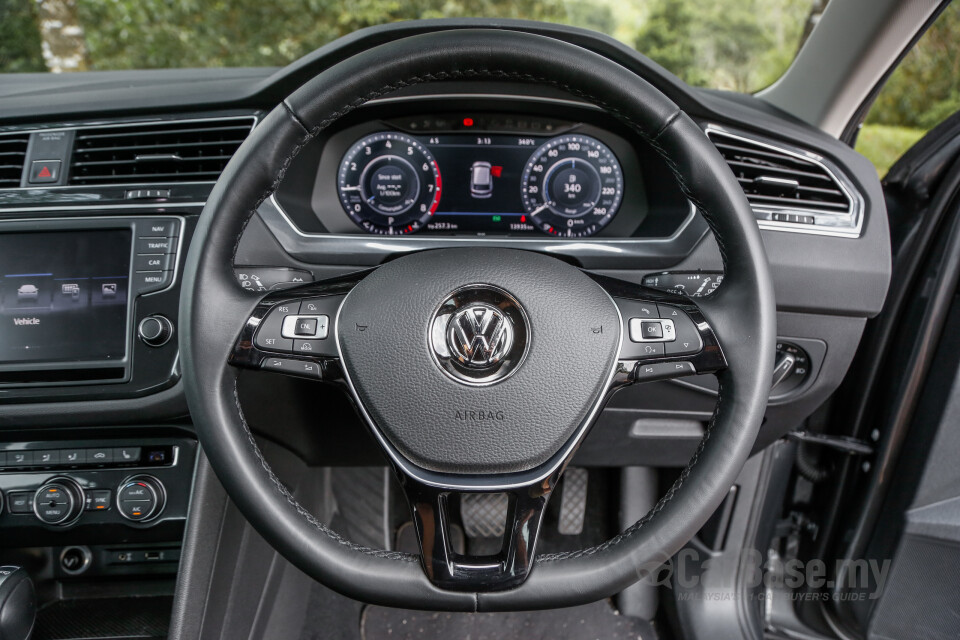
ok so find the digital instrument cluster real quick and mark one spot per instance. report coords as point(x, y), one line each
point(393, 183)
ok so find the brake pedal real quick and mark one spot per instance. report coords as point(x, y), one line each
point(573, 501)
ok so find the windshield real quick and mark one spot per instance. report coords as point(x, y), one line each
point(741, 45)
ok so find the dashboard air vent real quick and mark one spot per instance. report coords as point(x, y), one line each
point(13, 151)
point(786, 185)
point(177, 151)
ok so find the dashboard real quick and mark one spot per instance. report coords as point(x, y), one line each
point(498, 170)
point(98, 212)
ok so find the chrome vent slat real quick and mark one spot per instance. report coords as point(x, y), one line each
point(13, 154)
point(148, 148)
point(158, 129)
point(790, 203)
point(790, 188)
point(138, 161)
point(764, 169)
point(142, 153)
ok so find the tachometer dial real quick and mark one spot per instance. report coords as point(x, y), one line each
point(572, 186)
point(389, 183)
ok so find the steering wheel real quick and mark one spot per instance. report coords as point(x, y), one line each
point(477, 370)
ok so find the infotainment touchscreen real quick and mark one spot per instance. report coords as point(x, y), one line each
point(64, 296)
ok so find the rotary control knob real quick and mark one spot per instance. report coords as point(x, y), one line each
point(155, 331)
point(60, 501)
point(141, 498)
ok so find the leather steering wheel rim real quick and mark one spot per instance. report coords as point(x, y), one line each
point(742, 312)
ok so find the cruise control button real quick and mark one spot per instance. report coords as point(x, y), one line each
point(269, 335)
point(306, 327)
point(301, 368)
point(663, 370)
point(311, 347)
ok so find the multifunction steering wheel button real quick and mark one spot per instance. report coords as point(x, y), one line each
point(651, 330)
point(305, 327)
point(479, 335)
point(140, 498)
point(300, 368)
point(655, 329)
point(58, 502)
point(299, 326)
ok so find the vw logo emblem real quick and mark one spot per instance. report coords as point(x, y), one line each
point(479, 335)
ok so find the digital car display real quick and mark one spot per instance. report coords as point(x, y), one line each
point(394, 183)
point(63, 296)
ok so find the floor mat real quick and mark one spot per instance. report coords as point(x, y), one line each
point(119, 618)
point(587, 622)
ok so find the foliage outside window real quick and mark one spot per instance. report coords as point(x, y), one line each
point(737, 45)
point(920, 94)
point(740, 45)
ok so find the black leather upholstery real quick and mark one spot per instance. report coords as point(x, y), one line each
point(424, 413)
point(213, 308)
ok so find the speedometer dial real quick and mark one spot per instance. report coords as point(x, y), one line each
point(572, 186)
point(389, 183)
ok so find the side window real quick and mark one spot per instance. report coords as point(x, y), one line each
point(920, 94)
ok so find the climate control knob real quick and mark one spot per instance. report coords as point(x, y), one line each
point(59, 501)
point(141, 498)
point(155, 331)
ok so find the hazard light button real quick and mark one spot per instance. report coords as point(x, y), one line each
point(44, 171)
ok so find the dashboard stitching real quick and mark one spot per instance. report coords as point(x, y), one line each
point(306, 515)
point(497, 74)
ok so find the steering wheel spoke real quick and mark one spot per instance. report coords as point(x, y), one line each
point(663, 334)
point(292, 331)
point(433, 508)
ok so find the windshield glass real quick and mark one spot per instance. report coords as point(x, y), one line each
point(741, 45)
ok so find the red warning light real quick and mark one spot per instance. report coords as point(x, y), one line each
point(496, 171)
point(468, 122)
point(45, 173)
point(523, 218)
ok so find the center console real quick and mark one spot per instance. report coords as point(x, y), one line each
point(88, 314)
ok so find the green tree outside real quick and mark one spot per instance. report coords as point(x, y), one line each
point(738, 45)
